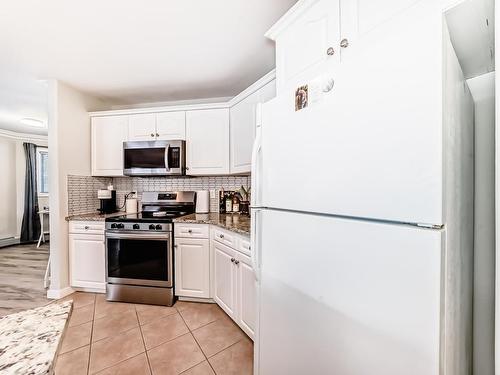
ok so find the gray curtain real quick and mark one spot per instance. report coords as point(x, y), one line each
point(30, 230)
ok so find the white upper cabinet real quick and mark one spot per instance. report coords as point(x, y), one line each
point(142, 127)
point(171, 125)
point(207, 142)
point(359, 18)
point(157, 126)
point(108, 135)
point(306, 46)
point(243, 122)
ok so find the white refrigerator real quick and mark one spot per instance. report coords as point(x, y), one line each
point(351, 242)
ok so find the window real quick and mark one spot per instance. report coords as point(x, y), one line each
point(42, 170)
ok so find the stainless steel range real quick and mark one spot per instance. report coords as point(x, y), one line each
point(139, 249)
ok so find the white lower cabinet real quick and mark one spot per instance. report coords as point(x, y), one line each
point(192, 267)
point(247, 296)
point(225, 278)
point(87, 258)
point(234, 282)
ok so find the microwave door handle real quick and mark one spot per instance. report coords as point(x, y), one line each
point(167, 150)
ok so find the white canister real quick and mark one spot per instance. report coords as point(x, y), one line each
point(131, 206)
point(202, 202)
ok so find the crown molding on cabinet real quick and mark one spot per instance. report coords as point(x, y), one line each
point(254, 87)
point(295, 12)
point(191, 107)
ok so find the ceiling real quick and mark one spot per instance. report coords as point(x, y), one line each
point(128, 52)
point(472, 32)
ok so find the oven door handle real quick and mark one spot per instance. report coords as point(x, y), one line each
point(167, 150)
point(138, 236)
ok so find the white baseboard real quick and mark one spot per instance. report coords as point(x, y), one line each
point(90, 290)
point(195, 299)
point(59, 293)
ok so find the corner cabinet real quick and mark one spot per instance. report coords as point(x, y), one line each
point(243, 126)
point(108, 135)
point(207, 142)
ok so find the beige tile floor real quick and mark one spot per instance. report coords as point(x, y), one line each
point(118, 338)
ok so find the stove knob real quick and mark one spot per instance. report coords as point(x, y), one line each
point(152, 226)
point(136, 226)
point(158, 227)
point(120, 226)
point(113, 226)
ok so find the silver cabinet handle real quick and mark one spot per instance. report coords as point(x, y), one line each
point(221, 235)
point(344, 43)
point(233, 260)
point(157, 135)
point(236, 262)
point(152, 134)
point(86, 227)
point(330, 51)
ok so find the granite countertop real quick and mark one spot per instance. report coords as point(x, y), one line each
point(29, 340)
point(93, 216)
point(233, 222)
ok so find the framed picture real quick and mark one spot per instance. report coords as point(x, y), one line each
point(301, 97)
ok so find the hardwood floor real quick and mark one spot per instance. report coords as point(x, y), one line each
point(22, 269)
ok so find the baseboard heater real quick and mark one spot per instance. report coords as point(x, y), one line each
point(9, 241)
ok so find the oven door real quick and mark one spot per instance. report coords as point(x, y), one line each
point(154, 158)
point(139, 258)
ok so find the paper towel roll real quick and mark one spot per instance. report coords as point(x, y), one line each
point(131, 206)
point(202, 202)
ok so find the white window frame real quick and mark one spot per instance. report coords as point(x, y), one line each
point(39, 151)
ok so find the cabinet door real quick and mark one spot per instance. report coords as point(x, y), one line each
point(243, 122)
point(207, 142)
point(142, 127)
point(108, 135)
point(225, 278)
point(359, 18)
point(192, 267)
point(171, 125)
point(246, 295)
point(87, 258)
point(302, 50)
point(243, 133)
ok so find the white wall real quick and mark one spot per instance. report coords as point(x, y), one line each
point(8, 195)
point(69, 153)
point(483, 91)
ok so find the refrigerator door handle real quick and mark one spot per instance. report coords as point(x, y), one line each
point(254, 242)
point(257, 146)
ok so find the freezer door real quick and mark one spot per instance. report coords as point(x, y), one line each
point(347, 297)
point(372, 146)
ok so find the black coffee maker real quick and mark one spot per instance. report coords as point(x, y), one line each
point(107, 200)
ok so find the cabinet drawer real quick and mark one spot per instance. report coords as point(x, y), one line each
point(225, 238)
point(87, 227)
point(244, 246)
point(191, 230)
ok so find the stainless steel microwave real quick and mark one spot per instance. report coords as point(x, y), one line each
point(154, 158)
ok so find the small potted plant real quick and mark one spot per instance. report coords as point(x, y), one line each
point(245, 200)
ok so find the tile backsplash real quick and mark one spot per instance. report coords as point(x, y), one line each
point(82, 190)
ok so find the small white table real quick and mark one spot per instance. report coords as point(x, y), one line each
point(42, 232)
point(42, 238)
